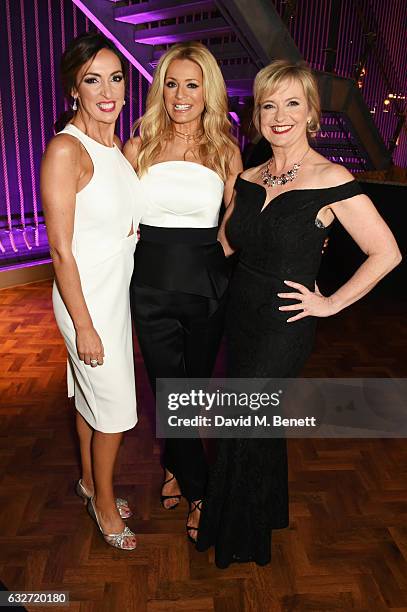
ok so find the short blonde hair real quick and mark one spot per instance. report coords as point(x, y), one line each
point(271, 77)
point(217, 145)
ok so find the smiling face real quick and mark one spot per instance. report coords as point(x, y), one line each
point(183, 93)
point(101, 87)
point(284, 114)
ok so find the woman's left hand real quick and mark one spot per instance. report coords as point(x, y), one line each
point(311, 303)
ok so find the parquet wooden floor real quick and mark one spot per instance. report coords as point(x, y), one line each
point(345, 549)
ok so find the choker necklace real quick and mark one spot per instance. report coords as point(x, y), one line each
point(271, 180)
point(188, 137)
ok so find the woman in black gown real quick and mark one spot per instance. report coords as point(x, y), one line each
point(279, 230)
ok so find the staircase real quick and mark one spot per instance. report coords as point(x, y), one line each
point(244, 36)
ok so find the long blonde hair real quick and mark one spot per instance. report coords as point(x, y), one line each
point(216, 147)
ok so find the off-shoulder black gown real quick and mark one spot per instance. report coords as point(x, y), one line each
point(247, 493)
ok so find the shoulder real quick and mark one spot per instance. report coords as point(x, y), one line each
point(63, 148)
point(118, 142)
point(345, 190)
point(333, 175)
point(234, 152)
point(250, 173)
point(235, 164)
point(61, 165)
point(63, 144)
point(131, 148)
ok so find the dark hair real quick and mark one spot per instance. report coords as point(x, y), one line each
point(81, 50)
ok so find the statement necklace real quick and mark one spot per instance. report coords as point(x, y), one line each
point(189, 137)
point(271, 180)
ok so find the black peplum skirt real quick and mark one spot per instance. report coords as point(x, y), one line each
point(186, 260)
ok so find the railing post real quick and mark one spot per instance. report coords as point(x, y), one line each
point(333, 33)
point(397, 132)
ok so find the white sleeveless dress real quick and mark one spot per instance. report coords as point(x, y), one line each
point(106, 209)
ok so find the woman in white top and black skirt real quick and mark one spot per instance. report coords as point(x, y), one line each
point(187, 161)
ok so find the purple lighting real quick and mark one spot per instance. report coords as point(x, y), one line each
point(28, 264)
point(6, 185)
point(15, 126)
point(27, 107)
point(39, 73)
point(369, 30)
point(51, 60)
point(108, 34)
point(35, 33)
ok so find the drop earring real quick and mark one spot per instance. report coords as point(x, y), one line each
point(124, 102)
point(75, 104)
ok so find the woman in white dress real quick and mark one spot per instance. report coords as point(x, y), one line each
point(187, 161)
point(92, 202)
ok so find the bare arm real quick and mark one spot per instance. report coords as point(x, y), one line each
point(235, 168)
point(221, 233)
point(60, 175)
point(131, 149)
point(370, 232)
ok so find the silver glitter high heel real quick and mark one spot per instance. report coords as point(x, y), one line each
point(117, 540)
point(122, 505)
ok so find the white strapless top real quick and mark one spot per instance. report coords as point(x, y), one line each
point(181, 194)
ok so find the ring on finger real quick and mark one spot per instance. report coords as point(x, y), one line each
point(94, 362)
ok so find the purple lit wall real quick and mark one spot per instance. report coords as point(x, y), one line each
point(33, 34)
point(308, 26)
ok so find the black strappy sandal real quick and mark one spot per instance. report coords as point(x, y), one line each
point(193, 506)
point(164, 497)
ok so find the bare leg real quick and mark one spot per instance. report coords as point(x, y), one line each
point(105, 447)
point(85, 434)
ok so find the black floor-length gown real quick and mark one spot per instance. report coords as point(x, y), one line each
point(247, 494)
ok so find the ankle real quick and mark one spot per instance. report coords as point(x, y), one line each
point(107, 512)
point(88, 484)
point(105, 504)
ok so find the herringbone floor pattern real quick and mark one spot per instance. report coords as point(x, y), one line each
point(346, 546)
